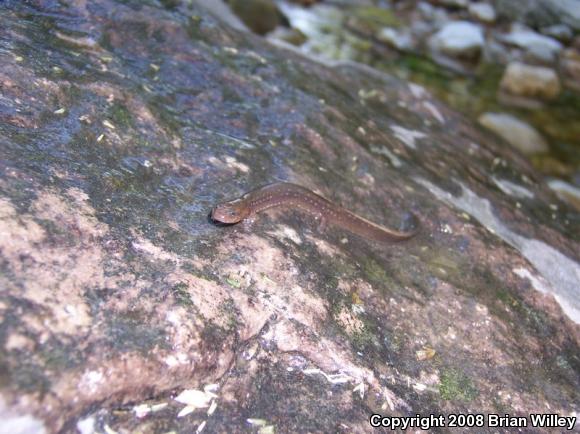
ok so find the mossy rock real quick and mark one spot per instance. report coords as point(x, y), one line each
point(368, 20)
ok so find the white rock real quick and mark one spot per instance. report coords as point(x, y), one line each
point(458, 39)
point(530, 81)
point(432, 14)
point(566, 192)
point(561, 32)
point(514, 131)
point(569, 11)
point(540, 46)
point(399, 40)
point(483, 12)
point(524, 37)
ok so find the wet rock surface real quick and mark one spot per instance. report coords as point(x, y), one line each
point(124, 309)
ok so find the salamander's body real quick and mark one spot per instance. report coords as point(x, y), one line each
point(295, 196)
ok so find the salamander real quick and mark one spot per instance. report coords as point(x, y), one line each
point(285, 194)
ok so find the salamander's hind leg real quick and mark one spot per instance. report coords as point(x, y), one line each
point(409, 223)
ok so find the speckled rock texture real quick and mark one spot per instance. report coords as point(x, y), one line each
point(123, 122)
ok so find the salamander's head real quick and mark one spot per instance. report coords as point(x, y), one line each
point(230, 212)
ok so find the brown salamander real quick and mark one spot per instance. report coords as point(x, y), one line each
point(292, 195)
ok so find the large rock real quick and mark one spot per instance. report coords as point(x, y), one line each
point(514, 131)
point(461, 39)
point(123, 309)
point(530, 81)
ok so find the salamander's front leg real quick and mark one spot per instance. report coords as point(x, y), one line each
point(248, 222)
point(321, 222)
